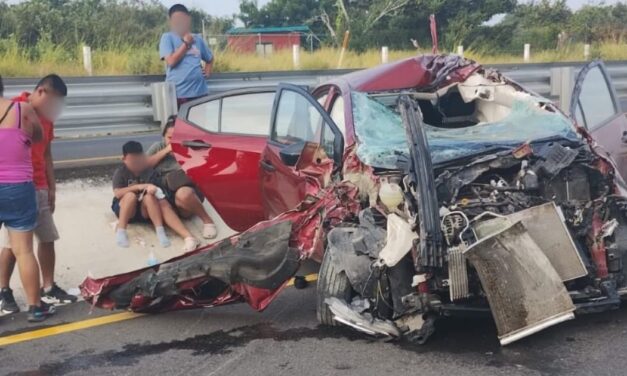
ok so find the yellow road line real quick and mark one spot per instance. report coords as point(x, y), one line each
point(90, 323)
point(93, 159)
point(309, 278)
point(66, 328)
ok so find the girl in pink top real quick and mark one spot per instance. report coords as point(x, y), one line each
point(19, 128)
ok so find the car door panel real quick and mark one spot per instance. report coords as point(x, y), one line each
point(285, 185)
point(612, 137)
point(595, 106)
point(283, 188)
point(224, 166)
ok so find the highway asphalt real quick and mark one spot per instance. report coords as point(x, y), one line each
point(286, 340)
point(92, 151)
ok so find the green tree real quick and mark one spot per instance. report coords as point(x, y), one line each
point(377, 22)
point(539, 23)
point(600, 23)
point(98, 23)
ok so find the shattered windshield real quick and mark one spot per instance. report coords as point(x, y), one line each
point(382, 136)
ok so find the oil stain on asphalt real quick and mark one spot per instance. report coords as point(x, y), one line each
point(453, 336)
point(217, 343)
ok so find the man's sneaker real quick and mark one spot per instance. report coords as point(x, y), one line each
point(56, 295)
point(38, 314)
point(7, 302)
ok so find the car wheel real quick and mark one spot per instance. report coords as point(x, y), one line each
point(331, 283)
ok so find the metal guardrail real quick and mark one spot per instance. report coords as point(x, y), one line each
point(123, 104)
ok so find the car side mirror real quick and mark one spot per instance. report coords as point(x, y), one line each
point(291, 153)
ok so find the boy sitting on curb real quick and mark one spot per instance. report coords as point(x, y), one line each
point(138, 200)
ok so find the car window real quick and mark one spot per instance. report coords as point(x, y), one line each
point(337, 114)
point(247, 113)
point(297, 120)
point(206, 115)
point(595, 101)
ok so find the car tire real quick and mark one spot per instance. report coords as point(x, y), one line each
point(331, 283)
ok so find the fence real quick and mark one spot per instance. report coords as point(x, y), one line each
point(123, 104)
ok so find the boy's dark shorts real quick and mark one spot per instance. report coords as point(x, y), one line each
point(171, 196)
point(137, 218)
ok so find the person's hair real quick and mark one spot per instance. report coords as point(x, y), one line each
point(178, 8)
point(132, 147)
point(54, 83)
point(1, 87)
point(168, 125)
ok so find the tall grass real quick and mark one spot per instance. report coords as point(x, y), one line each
point(46, 57)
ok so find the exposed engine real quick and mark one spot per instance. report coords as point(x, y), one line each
point(553, 198)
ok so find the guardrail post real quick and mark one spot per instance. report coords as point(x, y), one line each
point(527, 53)
point(562, 84)
point(87, 60)
point(385, 55)
point(296, 55)
point(460, 50)
point(163, 101)
point(586, 52)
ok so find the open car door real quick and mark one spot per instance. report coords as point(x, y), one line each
point(218, 141)
point(595, 106)
point(304, 149)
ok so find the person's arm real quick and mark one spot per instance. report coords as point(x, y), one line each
point(137, 188)
point(208, 69)
point(173, 56)
point(30, 122)
point(52, 184)
point(207, 57)
point(155, 156)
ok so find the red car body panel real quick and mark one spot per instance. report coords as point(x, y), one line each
point(287, 186)
point(419, 71)
point(282, 188)
point(227, 172)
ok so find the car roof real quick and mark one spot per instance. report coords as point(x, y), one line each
point(414, 72)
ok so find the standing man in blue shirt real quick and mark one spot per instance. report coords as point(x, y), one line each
point(183, 53)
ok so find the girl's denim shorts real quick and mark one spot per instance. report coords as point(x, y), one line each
point(18, 206)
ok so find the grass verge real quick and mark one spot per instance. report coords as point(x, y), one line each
point(121, 60)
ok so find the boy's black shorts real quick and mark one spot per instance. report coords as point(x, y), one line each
point(171, 196)
point(137, 218)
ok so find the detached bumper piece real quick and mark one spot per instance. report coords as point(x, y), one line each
point(252, 267)
point(525, 292)
point(362, 321)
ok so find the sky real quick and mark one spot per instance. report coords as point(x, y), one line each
point(229, 7)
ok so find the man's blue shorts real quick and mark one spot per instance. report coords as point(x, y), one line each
point(18, 206)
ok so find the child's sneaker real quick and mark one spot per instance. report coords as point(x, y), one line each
point(38, 314)
point(121, 238)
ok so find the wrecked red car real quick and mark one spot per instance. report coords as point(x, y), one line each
point(427, 188)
